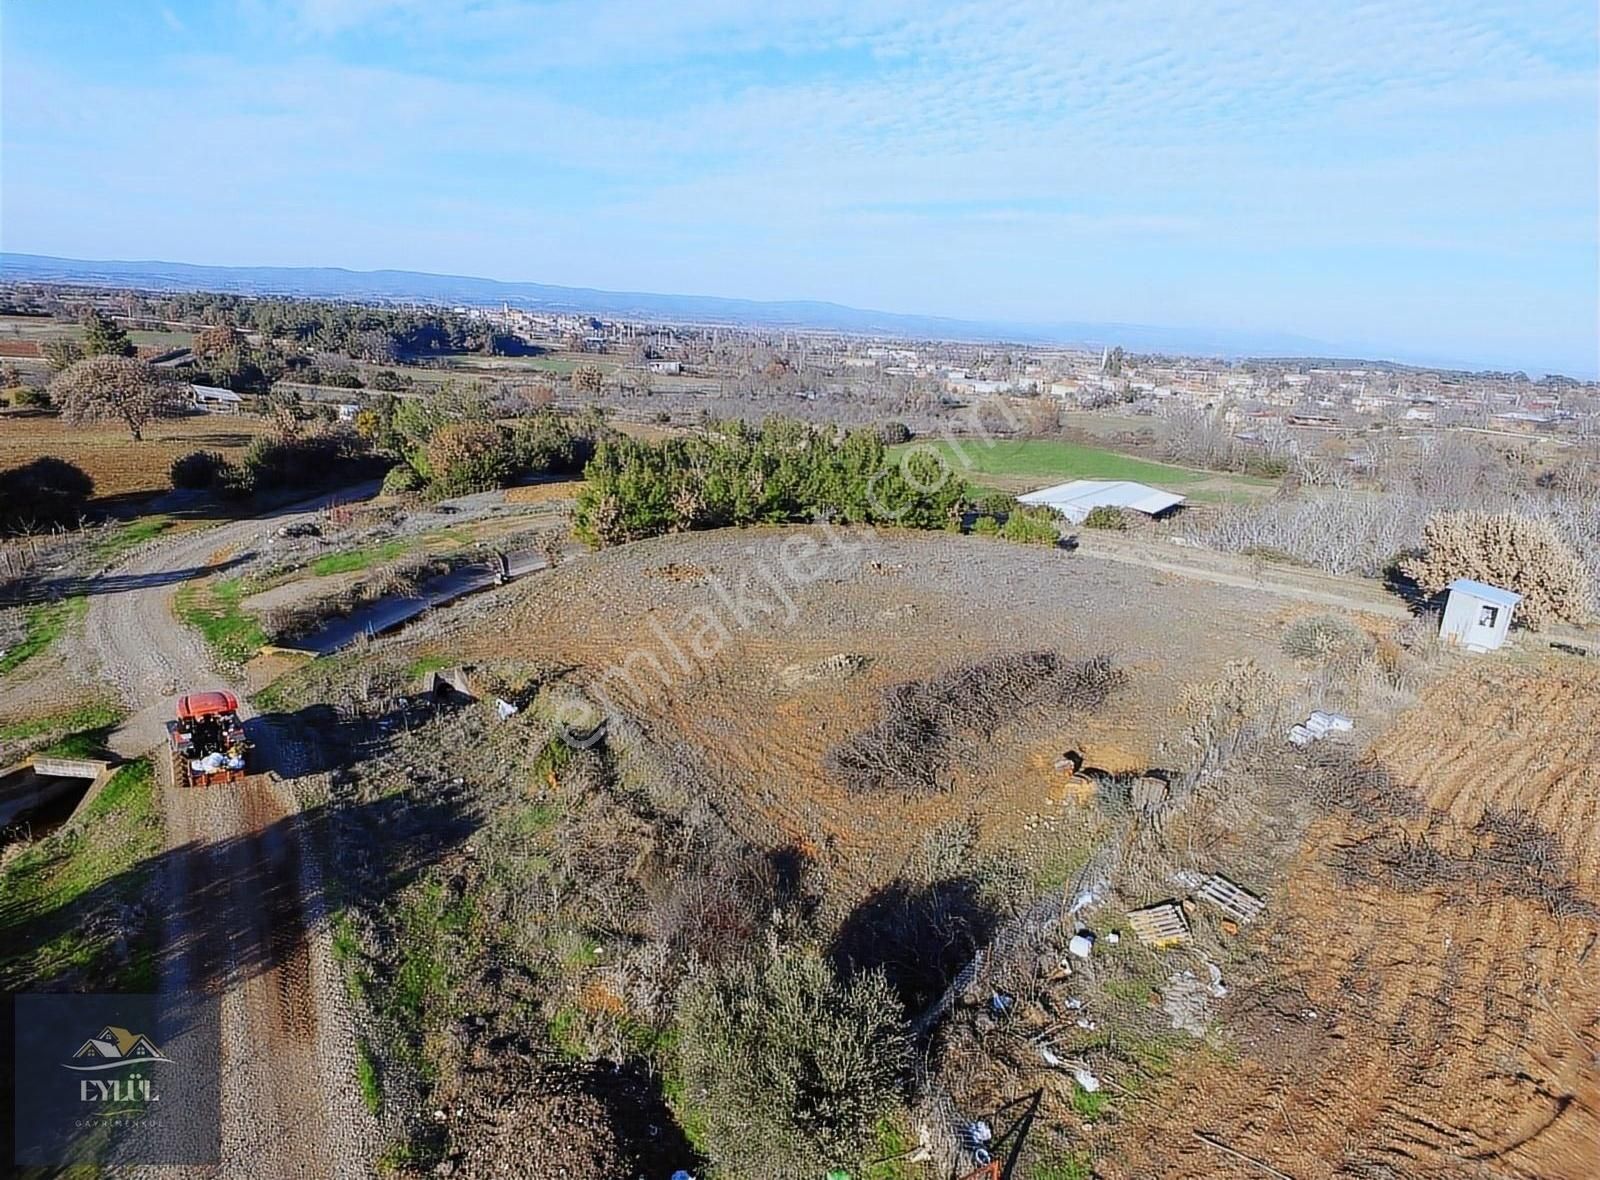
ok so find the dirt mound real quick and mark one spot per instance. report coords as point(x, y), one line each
point(928, 725)
point(540, 1120)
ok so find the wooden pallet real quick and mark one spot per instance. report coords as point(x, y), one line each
point(1160, 925)
point(1230, 899)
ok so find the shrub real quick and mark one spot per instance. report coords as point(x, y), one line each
point(197, 469)
point(1106, 517)
point(44, 493)
point(29, 395)
point(402, 479)
point(327, 453)
point(1323, 637)
point(469, 457)
point(996, 504)
point(790, 1068)
point(1505, 549)
point(546, 443)
point(1232, 712)
point(893, 434)
point(986, 526)
point(1032, 526)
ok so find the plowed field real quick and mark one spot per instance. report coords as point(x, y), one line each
point(1425, 1029)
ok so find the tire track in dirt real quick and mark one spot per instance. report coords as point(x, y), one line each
point(240, 908)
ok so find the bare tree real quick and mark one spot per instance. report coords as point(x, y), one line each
point(115, 389)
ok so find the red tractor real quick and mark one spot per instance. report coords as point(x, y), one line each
point(208, 742)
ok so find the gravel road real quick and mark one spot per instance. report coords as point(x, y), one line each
point(241, 908)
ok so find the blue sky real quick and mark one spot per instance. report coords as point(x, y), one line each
point(1405, 179)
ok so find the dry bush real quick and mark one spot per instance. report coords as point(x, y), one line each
point(468, 457)
point(925, 724)
point(1365, 790)
point(1504, 853)
point(1505, 549)
point(1232, 712)
point(1343, 534)
point(1324, 638)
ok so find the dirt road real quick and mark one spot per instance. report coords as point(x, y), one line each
point(240, 907)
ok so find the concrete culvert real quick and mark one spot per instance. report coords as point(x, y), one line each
point(39, 796)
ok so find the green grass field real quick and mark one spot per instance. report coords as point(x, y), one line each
point(1053, 459)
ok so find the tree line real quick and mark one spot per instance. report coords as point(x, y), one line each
point(781, 471)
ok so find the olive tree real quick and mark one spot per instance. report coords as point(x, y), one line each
point(115, 389)
point(790, 1066)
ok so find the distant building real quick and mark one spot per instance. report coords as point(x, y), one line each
point(1077, 499)
point(1477, 615)
point(670, 368)
point(213, 400)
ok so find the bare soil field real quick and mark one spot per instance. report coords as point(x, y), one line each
point(757, 720)
point(1434, 987)
point(119, 466)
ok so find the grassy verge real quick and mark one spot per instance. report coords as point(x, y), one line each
point(57, 889)
point(358, 559)
point(233, 633)
point(94, 716)
point(134, 533)
point(43, 625)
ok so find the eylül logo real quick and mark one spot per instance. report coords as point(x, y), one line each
point(122, 1062)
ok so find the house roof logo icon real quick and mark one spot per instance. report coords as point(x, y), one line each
point(112, 1048)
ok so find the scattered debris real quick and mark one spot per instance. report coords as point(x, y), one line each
point(1318, 726)
point(1113, 937)
point(1000, 1003)
point(1160, 926)
point(1081, 944)
point(1216, 980)
point(1086, 1080)
point(839, 666)
point(1236, 902)
point(1149, 792)
point(1223, 1147)
point(504, 709)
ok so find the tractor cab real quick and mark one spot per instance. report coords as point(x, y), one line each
point(208, 741)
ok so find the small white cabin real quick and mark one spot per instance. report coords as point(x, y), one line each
point(1477, 615)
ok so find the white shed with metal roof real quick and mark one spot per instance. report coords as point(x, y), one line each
point(1077, 499)
point(1477, 615)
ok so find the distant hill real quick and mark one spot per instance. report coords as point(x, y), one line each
point(404, 285)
